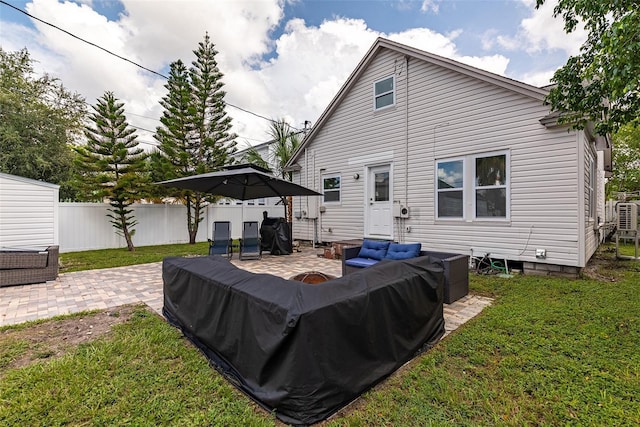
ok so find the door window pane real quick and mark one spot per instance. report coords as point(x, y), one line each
point(381, 190)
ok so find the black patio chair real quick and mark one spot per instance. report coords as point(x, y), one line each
point(250, 247)
point(222, 242)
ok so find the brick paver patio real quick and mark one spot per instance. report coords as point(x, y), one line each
point(111, 287)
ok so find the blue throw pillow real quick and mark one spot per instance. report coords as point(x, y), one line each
point(373, 249)
point(403, 250)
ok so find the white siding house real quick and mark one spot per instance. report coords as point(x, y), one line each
point(420, 148)
point(28, 212)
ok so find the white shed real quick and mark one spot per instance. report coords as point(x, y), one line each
point(28, 212)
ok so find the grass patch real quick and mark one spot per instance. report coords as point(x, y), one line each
point(626, 247)
point(108, 258)
point(143, 373)
point(549, 351)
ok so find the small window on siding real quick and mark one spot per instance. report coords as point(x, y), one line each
point(450, 189)
point(383, 92)
point(331, 188)
point(591, 189)
point(490, 186)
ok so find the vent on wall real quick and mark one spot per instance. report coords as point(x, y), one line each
point(627, 217)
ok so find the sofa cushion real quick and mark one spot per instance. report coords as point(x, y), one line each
point(403, 250)
point(361, 262)
point(373, 249)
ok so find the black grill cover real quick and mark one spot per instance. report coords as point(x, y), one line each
point(303, 350)
point(274, 236)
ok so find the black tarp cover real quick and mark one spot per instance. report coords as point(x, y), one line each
point(301, 350)
point(274, 236)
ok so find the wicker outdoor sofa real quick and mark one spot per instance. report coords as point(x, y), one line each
point(456, 266)
point(22, 267)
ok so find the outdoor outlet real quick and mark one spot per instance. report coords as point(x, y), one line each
point(408, 229)
point(541, 253)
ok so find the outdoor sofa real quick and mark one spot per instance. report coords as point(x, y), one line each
point(24, 266)
point(303, 351)
point(456, 266)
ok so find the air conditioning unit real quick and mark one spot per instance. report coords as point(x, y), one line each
point(627, 217)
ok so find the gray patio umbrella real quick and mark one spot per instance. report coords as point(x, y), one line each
point(242, 182)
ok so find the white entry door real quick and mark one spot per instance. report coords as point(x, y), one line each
point(379, 215)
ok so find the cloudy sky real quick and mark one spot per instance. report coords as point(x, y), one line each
point(280, 58)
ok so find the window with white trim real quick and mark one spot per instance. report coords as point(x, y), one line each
point(591, 189)
point(474, 186)
point(490, 188)
point(384, 93)
point(331, 188)
point(450, 189)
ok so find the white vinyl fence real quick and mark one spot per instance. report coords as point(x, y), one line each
point(85, 226)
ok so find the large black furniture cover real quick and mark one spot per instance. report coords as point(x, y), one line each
point(300, 350)
point(274, 236)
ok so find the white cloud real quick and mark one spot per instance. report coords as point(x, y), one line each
point(439, 44)
point(539, 78)
point(430, 6)
point(543, 31)
point(539, 32)
point(307, 65)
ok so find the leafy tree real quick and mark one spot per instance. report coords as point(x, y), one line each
point(113, 165)
point(285, 142)
point(602, 83)
point(195, 134)
point(626, 161)
point(39, 120)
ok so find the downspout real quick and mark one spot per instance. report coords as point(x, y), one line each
point(406, 132)
point(582, 222)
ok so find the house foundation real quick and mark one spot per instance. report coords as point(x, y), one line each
point(538, 269)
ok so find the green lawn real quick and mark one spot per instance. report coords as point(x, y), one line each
point(549, 351)
point(107, 258)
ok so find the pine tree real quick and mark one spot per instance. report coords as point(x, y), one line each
point(113, 166)
point(195, 134)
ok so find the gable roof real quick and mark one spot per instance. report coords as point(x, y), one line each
point(382, 43)
point(28, 180)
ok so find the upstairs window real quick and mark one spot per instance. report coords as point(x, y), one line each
point(331, 187)
point(383, 93)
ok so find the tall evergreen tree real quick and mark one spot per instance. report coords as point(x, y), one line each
point(195, 134)
point(113, 165)
point(175, 155)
